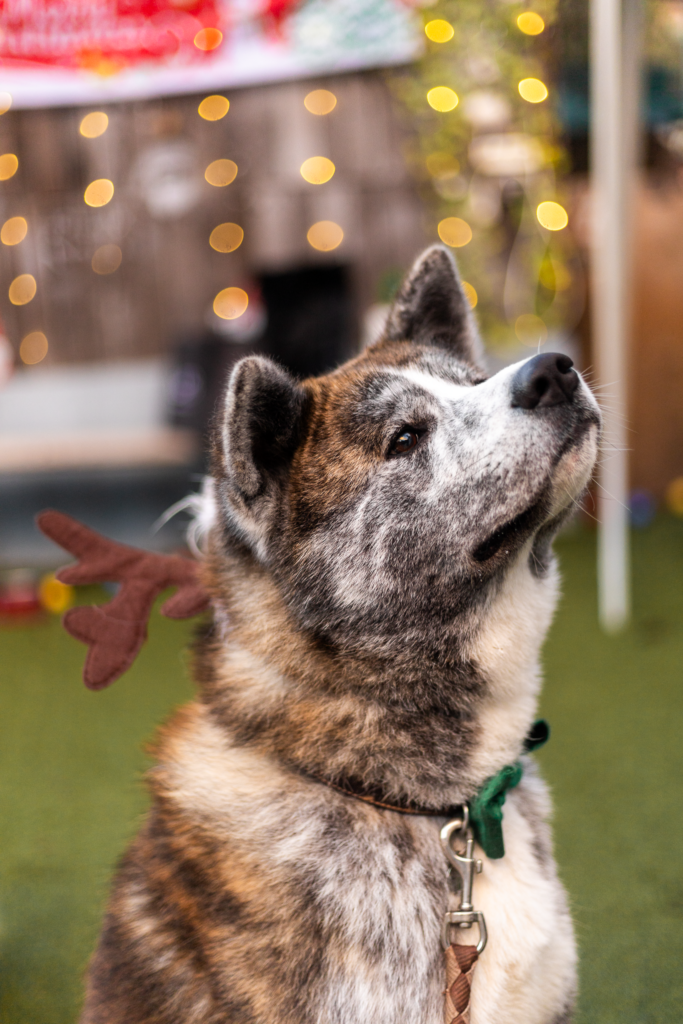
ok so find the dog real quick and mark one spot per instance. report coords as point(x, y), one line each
point(378, 555)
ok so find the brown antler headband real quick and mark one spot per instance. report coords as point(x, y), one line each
point(116, 631)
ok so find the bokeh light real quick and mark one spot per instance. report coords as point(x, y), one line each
point(317, 170)
point(454, 231)
point(552, 216)
point(221, 172)
point(8, 166)
point(325, 235)
point(532, 90)
point(94, 124)
point(33, 348)
point(674, 496)
point(530, 23)
point(230, 303)
point(106, 259)
point(213, 108)
point(442, 165)
point(531, 330)
point(5, 102)
point(442, 98)
point(99, 192)
point(226, 238)
point(554, 276)
point(470, 293)
point(320, 101)
point(54, 596)
point(13, 231)
point(22, 289)
point(439, 31)
point(208, 39)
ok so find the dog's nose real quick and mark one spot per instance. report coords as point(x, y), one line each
point(545, 380)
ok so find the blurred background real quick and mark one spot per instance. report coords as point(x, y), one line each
point(184, 182)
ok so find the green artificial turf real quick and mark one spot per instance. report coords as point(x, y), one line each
point(71, 796)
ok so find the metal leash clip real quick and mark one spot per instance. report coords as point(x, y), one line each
point(466, 865)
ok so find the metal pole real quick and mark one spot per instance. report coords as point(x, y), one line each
point(615, 74)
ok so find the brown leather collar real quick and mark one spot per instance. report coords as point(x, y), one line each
point(354, 788)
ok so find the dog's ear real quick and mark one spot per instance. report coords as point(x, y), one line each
point(260, 427)
point(431, 308)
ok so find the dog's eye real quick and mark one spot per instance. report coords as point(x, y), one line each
point(405, 441)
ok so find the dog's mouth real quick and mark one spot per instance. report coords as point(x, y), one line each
point(516, 530)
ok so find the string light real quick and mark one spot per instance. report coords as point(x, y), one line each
point(530, 23)
point(532, 90)
point(94, 124)
point(13, 231)
point(439, 31)
point(325, 235)
point(531, 330)
point(106, 259)
point(320, 101)
point(442, 98)
point(552, 216)
point(226, 237)
point(231, 303)
point(470, 293)
point(5, 102)
point(22, 289)
point(213, 108)
point(33, 348)
point(208, 39)
point(8, 166)
point(221, 172)
point(317, 170)
point(99, 192)
point(454, 231)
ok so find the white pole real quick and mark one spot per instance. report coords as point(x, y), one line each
point(614, 101)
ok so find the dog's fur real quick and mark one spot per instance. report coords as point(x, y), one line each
point(377, 617)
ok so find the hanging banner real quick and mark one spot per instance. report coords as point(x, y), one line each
point(58, 52)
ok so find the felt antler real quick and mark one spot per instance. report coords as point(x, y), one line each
point(116, 631)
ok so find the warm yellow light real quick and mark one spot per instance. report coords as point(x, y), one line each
point(552, 216)
point(33, 348)
point(530, 23)
point(454, 232)
point(213, 108)
point(22, 289)
point(325, 235)
point(230, 303)
point(8, 166)
point(532, 90)
point(674, 496)
point(531, 330)
point(317, 170)
point(5, 102)
point(470, 293)
point(320, 101)
point(439, 31)
point(106, 259)
point(226, 237)
point(221, 172)
point(208, 39)
point(13, 231)
point(54, 596)
point(442, 165)
point(554, 276)
point(99, 192)
point(94, 124)
point(442, 98)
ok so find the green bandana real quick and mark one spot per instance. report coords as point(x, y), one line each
point(486, 809)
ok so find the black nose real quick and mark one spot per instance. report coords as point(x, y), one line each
point(543, 381)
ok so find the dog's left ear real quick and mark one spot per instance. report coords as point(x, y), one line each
point(431, 308)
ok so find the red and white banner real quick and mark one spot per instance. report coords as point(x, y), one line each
point(56, 52)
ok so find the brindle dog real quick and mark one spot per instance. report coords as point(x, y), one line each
point(379, 560)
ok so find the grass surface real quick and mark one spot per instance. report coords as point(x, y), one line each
point(70, 792)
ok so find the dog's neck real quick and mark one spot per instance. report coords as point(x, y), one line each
point(425, 733)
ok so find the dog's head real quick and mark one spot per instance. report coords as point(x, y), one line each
point(390, 499)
